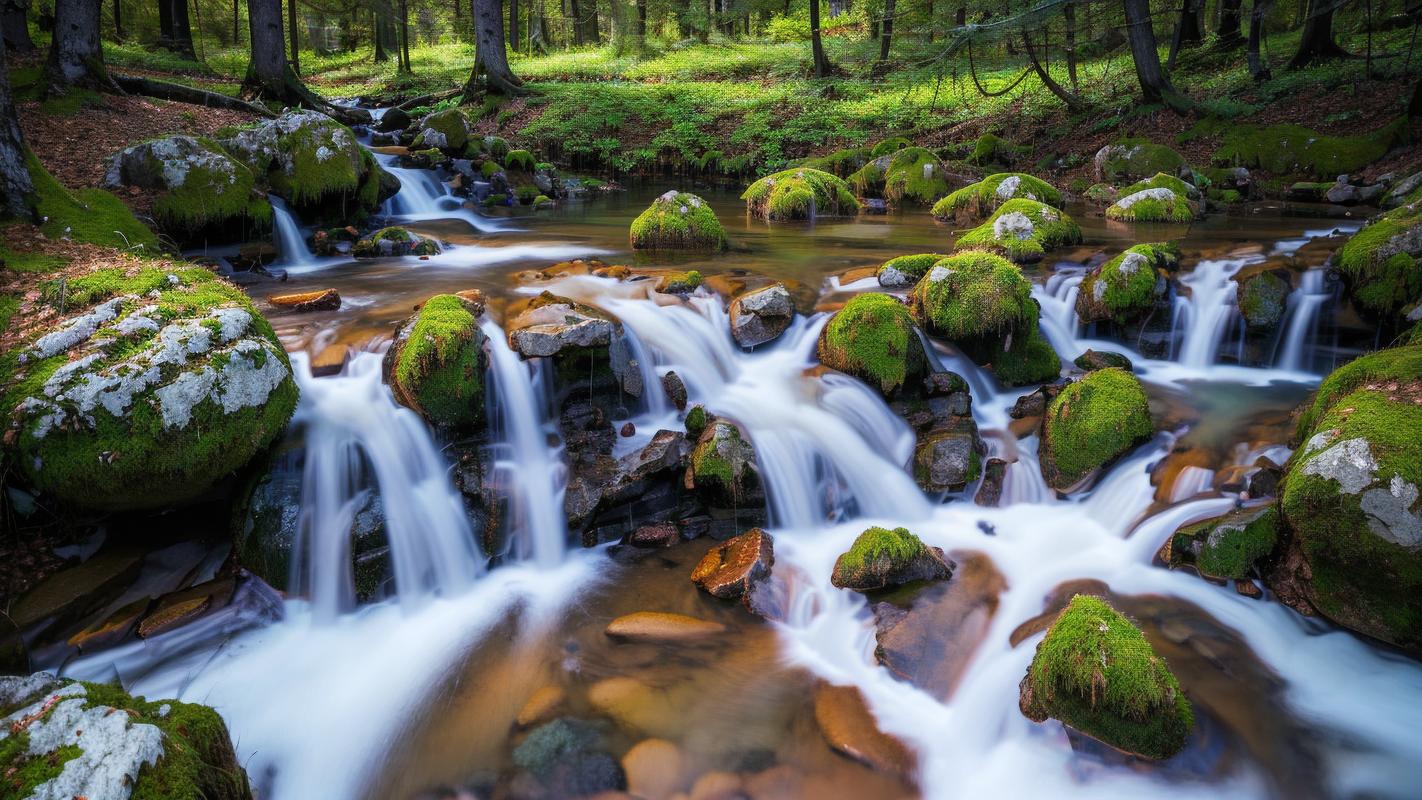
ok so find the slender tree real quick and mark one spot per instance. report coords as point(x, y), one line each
point(269, 75)
point(75, 55)
point(15, 184)
point(404, 59)
point(886, 35)
point(295, 35)
point(174, 31)
point(1155, 85)
point(1317, 43)
point(1257, 68)
point(817, 45)
point(1187, 28)
point(1069, 14)
point(1227, 33)
point(491, 58)
point(513, 25)
point(118, 20)
point(14, 27)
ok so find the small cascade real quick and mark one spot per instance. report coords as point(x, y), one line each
point(423, 196)
point(1304, 304)
point(1203, 318)
point(524, 462)
point(358, 442)
point(290, 239)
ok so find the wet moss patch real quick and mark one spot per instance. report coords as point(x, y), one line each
point(1091, 423)
point(678, 221)
point(873, 338)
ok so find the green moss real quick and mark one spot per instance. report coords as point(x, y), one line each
point(720, 463)
point(29, 261)
point(1133, 159)
point(1392, 366)
point(1161, 181)
point(873, 338)
point(20, 772)
point(840, 162)
point(8, 306)
point(211, 199)
point(1296, 150)
point(439, 368)
point(88, 215)
point(974, 295)
point(1228, 546)
point(1024, 360)
point(403, 242)
point(678, 221)
point(696, 421)
point(889, 146)
point(912, 174)
point(907, 270)
point(1095, 672)
point(990, 149)
point(1152, 205)
point(800, 194)
point(984, 197)
point(451, 125)
point(1091, 423)
point(680, 282)
point(1127, 286)
point(490, 168)
point(877, 553)
point(1023, 230)
point(1383, 277)
point(1262, 300)
point(496, 146)
point(521, 160)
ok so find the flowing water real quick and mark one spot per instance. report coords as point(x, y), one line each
point(390, 698)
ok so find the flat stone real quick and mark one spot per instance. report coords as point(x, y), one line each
point(320, 300)
point(112, 629)
point(660, 626)
point(173, 616)
point(732, 569)
point(850, 729)
point(762, 315)
point(69, 594)
point(718, 786)
point(330, 361)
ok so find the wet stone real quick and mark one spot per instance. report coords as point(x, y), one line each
point(675, 390)
point(990, 490)
point(321, 300)
point(662, 627)
point(849, 728)
point(732, 569)
point(762, 315)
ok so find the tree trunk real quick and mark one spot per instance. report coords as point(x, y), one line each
point(1257, 68)
point(75, 55)
point(817, 45)
point(15, 29)
point(404, 36)
point(1155, 86)
point(490, 54)
point(641, 26)
point(15, 184)
point(1414, 107)
point(186, 94)
point(886, 33)
point(118, 20)
point(236, 20)
point(1228, 31)
point(1187, 29)
point(295, 34)
point(1069, 12)
point(513, 25)
point(1317, 43)
point(174, 32)
point(1073, 102)
point(592, 34)
point(576, 16)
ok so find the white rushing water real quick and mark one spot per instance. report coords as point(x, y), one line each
point(1302, 317)
point(290, 238)
point(1204, 316)
point(423, 196)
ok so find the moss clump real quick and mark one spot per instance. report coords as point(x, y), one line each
point(982, 198)
point(974, 295)
point(873, 338)
point(521, 160)
point(1095, 672)
point(902, 271)
point(490, 168)
point(1380, 261)
point(912, 174)
point(495, 146)
point(170, 383)
point(888, 147)
point(680, 282)
point(1127, 286)
point(439, 365)
point(841, 162)
point(1161, 181)
point(447, 130)
point(1152, 205)
point(89, 215)
point(314, 163)
point(394, 241)
point(1134, 159)
point(989, 150)
point(721, 462)
point(1227, 546)
point(1091, 423)
point(1397, 365)
point(1024, 359)
point(1023, 230)
point(678, 221)
point(880, 558)
point(696, 421)
point(1296, 150)
point(800, 194)
point(1262, 300)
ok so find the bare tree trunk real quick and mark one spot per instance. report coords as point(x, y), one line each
point(404, 58)
point(15, 184)
point(641, 27)
point(1317, 43)
point(269, 75)
point(513, 25)
point(1257, 68)
point(576, 15)
point(1228, 31)
point(174, 32)
point(1069, 12)
point(1155, 86)
point(886, 34)
point(75, 55)
point(817, 45)
point(490, 52)
point(295, 35)
point(1072, 101)
point(1187, 29)
point(1414, 106)
point(14, 28)
point(236, 20)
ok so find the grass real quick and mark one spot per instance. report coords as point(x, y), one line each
point(87, 215)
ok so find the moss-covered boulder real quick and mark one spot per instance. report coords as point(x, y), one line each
point(316, 165)
point(1160, 204)
point(801, 193)
point(722, 468)
point(446, 130)
point(678, 221)
point(984, 197)
point(873, 338)
point(1382, 262)
point(974, 295)
point(1350, 497)
point(65, 738)
point(1262, 300)
point(901, 272)
point(521, 161)
point(1022, 359)
point(1023, 230)
point(1091, 423)
point(1226, 546)
point(437, 363)
point(991, 150)
point(159, 382)
point(1134, 159)
point(1162, 181)
point(680, 283)
point(394, 241)
point(1128, 286)
point(911, 175)
point(200, 191)
point(1096, 673)
point(881, 558)
point(889, 146)
point(1296, 150)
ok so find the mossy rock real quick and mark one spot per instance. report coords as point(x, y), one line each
point(446, 130)
point(1152, 205)
point(1162, 181)
point(904, 271)
point(680, 282)
point(1263, 299)
point(1023, 358)
point(678, 221)
point(1091, 423)
point(974, 295)
point(1296, 150)
point(437, 364)
point(1350, 497)
point(1023, 230)
point(1227, 546)
point(888, 147)
point(1128, 286)
point(1381, 261)
point(800, 194)
point(913, 174)
point(522, 161)
point(1133, 159)
point(696, 421)
point(92, 216)
point(873, 338)
point(95, 734)
point(1096, 673)
point(984, 197)
point(158, 383)
point(394, 241)
point(841, 162)
point(722, 464)
point(494, 146)
point(991, 150)
point(1101, 193)
point(201, 191)
point(881, 558)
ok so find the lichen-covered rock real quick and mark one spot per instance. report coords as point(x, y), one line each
point(1382, 262)
point(762, 315)
point(64, 738)
point(984, 197)
point(1351, 497)
point(446, 130)
point(722, 468)
point(1160, 204)
point(733, 569)
point(1227, 546)
point(1101, 193)
point(974, 295)
point(1128, 285)
point(873, 338)
point(394, 241)
point(1091, 423)
point(1022, 230)
point(1134, 159)
point(1262, 300)
point(1096, 673)
point(551, 324)
point(948, 457)
point(801, 193)
point(165, 382)
point(201, 190)
point(678, 221)
point(437, 363)
point(315, 164)
point(901, 272)
point(881, 558)
point(913, 174)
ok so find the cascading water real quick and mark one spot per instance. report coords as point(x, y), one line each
point(423, 196)
point(1203, 317)
point(290, 240)
point(1304, 305)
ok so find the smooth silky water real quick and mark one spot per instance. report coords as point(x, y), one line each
point(391, 698)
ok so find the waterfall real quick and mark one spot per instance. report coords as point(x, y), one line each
point(290, 240)
point(1304, 304)
point(357, 441)
point(524, 463)
point(423, 196)
point(1203, 318)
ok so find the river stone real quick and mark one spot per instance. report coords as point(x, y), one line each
point(947, 458)
point(731, 570)
point(675, 390)
point(540, 705)
point(394, 119)
point(762, 315)
point(662, 627)
point(722, 465)
point(1101, 359)
point(655, 769)
point(990, 490)
point(318, 300)
point(201, 189)
point(552, 324)
point(849, 728)
point(877, 561)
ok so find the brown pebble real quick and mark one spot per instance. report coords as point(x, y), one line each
point(628, 429)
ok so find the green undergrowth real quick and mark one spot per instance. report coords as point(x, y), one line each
point(1296, 150)
point(87, 215)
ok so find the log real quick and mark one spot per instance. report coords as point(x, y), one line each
point(180, 93)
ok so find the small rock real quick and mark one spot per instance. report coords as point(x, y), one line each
point(718, 786)
point(330, 361)
point(730, 570)
point(540, 706)
point(1249, 589)
point(762, 315)
point(321, 300)
point(849, 728)
point(628, 429)
point(660, 626)
point(657, 535)
point(1102, 359)
point(675, 390)
point(394, 119)
point(990, 490)
point(654, 769)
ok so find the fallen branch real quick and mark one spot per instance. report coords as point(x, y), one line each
point(180, 93)
point(428, 99)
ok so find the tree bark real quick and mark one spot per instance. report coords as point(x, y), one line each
point(269, 75)
point(1317, 43)
point(293, 32)
point(1187, 29)
point(118, 20)
point(1155, 86)
point(15, 28)
point(817, 45)
point(1073, 102)
point(576, 16)
point(513, 25)
point(1257, 68)
point(1069, 12)
point(886, 33)
point(641, 25)
point(490, 52)
point(75, 55)
point(174, 31)
point(1228, 31)
point(15, 184)
point(384, 30)
point(1414, 107)
point(404, 36)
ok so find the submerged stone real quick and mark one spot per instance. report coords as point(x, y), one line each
point(661, 626)
point(1263, 299)
point(849, 728)
point(394, 241)
point(1128, 286)
point(1023, 230)
point(553, 324)
point(948, 457)
point(987, 195)
point(722, 464)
